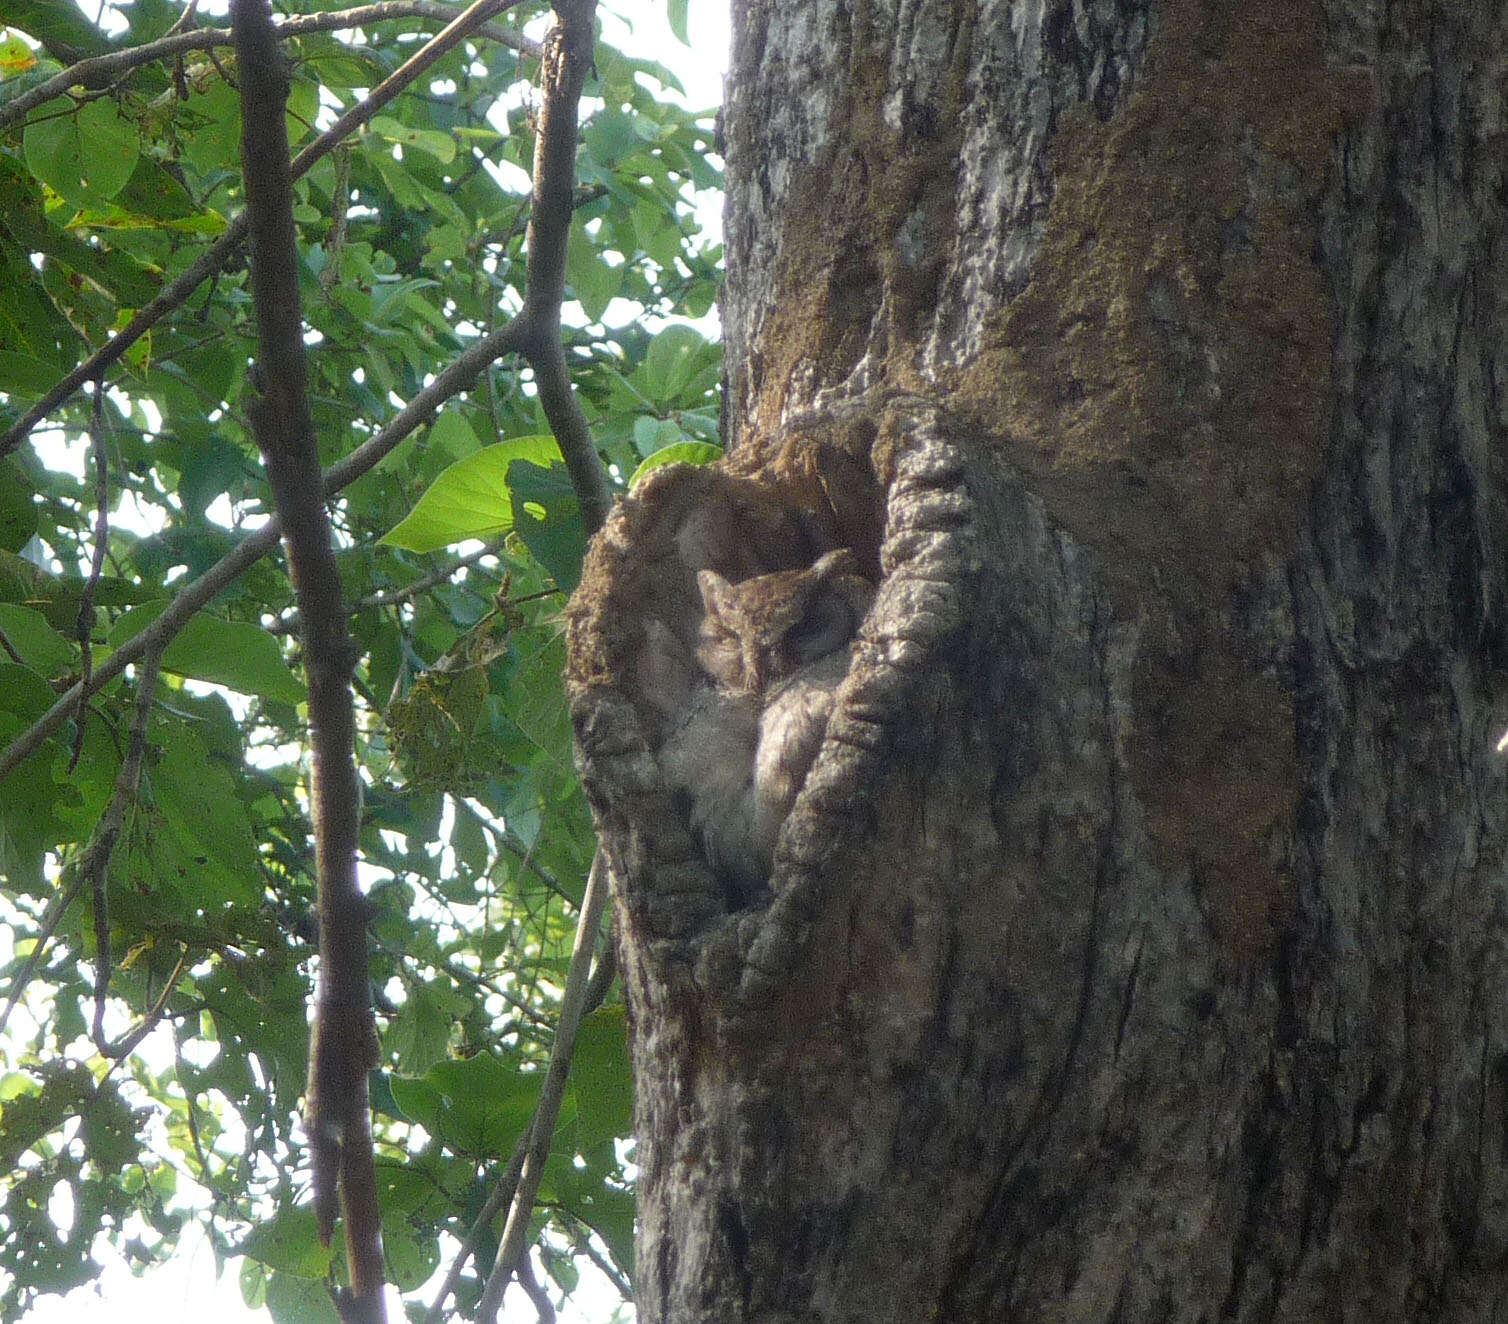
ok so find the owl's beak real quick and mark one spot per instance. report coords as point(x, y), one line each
point(753, 670)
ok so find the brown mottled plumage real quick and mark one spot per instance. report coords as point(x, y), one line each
point(774, 648)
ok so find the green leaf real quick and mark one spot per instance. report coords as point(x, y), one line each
point(296, 1299)
point(441, 146)
point(25, 375)
point(215, 141)
point(18, 510)
point(652, 434)
point(679, 358)
point(475, 1106)
point(86, 156)
point(602, 1078)
point(409, 1262)
point(152, 192)
point(683, 452)
point(676, 13)
point(471, 498)
point(205, 822)
point(548, 519)
point(60, 25)
point(41, 647)
point(594, 283)
point(237, 654)
point(420, 1032)
point(289, 1241)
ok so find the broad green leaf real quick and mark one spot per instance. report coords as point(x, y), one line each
point(408, 1260)
point(28, 809)
point(546, 516)
point(471, 498)
point(420, 1033)
point(60, 25)
point(41, 647)
point(602, 1078)
point(594, 283)
point(215, 140)
point(197, 798)
point(21, 213)
point(18, 509)
point(86, 155)
point(26, 375)
point(475, 1106)
point(677, 357)
point(16, 56)
point(288, 1241)
point(152, 192)
point(441, 146)
point(676, 13)
point(237, 654)
point(652, 434)
point(683, 452)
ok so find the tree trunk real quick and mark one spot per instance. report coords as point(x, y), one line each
point(1135, 949)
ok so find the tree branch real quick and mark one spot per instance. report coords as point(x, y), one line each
point(544, 1308)
point(101, 69)
point(343, 1046)
point(572, 1003)
point(566, 62)
point(217, 254)
point(94, 866)
point(501, 1195)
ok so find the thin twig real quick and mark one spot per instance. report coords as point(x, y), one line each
point(84, 625)
point(499, 1198)
point(541, 1134)
point(50, 922)
point(101, 69)
point(94, 863)
point(217, 254)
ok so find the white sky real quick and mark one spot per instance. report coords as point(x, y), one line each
point(186, 1288)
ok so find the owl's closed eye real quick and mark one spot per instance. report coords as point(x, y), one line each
point(756, 633)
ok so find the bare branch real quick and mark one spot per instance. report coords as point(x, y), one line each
point(572, 1003)
point(544, 1308)
point(343, 1048)
point(94, 864)
point(566, 62)
point(217, 254)
point(101, 69)
point(500, 1197)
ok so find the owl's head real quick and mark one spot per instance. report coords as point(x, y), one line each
point(758, 632)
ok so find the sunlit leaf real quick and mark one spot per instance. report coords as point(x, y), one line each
point(471, 499)
point(682, 452)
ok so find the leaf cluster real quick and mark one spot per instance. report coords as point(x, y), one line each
point(476, 840)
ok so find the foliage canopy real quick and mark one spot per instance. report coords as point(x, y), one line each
point(476, 840)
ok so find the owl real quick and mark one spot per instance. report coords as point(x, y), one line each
point(771, 652)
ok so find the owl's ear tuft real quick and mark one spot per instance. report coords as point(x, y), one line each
point(715, 591)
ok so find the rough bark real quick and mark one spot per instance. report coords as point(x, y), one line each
point(1136, 948)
